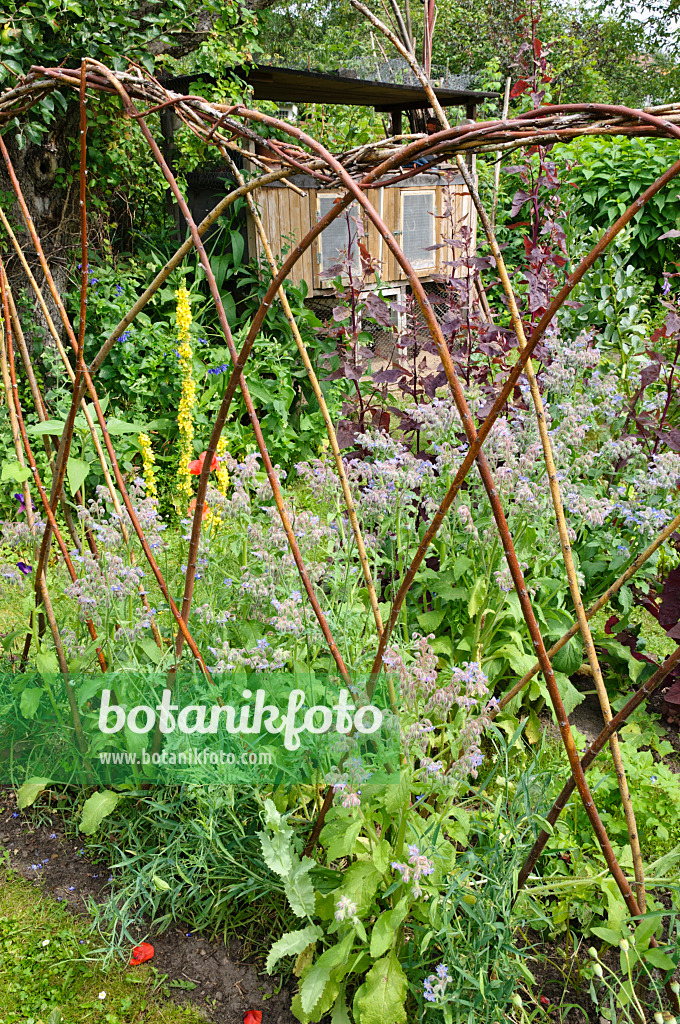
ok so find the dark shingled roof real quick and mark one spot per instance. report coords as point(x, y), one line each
point(289, 85)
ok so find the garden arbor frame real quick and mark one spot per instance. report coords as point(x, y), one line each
point(362, 169)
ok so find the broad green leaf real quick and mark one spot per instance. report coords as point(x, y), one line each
point(317, 977)
point(382, 854)
point(54, 427)
point(385, 928)
point(160, 884)
point(360, 885)
point(646, 928)
point(96, 808)
point(608, 934)
point(292, 943)
point(30, 791)
point(47, 664)
point(381, 997)
point(118, 427)
point(571, 697)
point(30, 698)
point(342, 845)
point(658, 959)
point(77, 471)
point(460, 565)
point(396, 793)
point(429, 621)
point(15, 472)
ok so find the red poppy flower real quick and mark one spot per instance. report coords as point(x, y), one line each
point(253, 1017)
point(192, 508)
point(141, 953)
point(196, 466)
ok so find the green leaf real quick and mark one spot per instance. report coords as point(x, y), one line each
point(54, 427)
point(396, 793)
point(385, 928)
point(77, 472)
point(429, 621)
point(360, 885)
point(160, 884)
point(292, 943)
point(96, 808)
point(47, 664)
point(277, 854)
point(317, 977)
point(658, 959)
point(30, 791)
point(381, 997)
point(608, 934)
point(13, 471)
point(117, 427)
point(340, 1014)
point(30, 699)
point(299, 889)
point(344, 838)
point(477, 597)
point(237, 247)
point(461, 564)
point(571, 697)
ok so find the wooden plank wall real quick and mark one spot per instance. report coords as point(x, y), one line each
point(287, 217)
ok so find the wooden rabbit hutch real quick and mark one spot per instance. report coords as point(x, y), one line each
point(411, 209)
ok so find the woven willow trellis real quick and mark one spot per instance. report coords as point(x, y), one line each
point(224, 127)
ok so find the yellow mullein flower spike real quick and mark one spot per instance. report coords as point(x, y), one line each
point(222, 472)
point(148, 460)
point(185, 420)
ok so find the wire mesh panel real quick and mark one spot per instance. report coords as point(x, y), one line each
point(417, 227)
point(340, 237)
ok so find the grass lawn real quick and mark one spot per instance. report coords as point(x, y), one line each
point(46, 977)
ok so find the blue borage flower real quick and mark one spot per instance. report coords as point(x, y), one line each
point(218, 369)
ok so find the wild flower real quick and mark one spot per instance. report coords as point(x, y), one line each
point(345, 908)
point(148, 461)
point(434, 985)
point(188, 396)
point(418, 865)
point(222, 469)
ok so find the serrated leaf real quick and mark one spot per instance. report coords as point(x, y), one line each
point(299, 889)
point(96, 808)
point(340, 1014)
point(30, 698)
point(30, 791)
point(381, 997)
point(277, 854)
point(292, 943)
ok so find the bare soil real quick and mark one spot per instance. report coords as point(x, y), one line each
point(226, 986)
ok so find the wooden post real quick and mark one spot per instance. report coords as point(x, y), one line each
point(396, 121)
point(470, 113)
